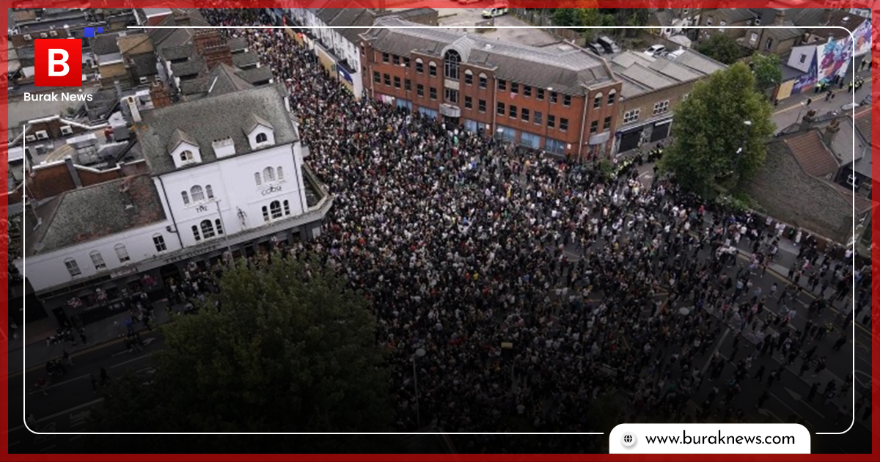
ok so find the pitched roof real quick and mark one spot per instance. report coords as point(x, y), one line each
point(844, 19)
point(104, 45)
point(177, 52)
point(208, 119)
point(145, 65)
point(93, 212)
point(255, 75)
point(178, 136)
point(135, 44)
point(642, 74)
point(245, 59)
point(221, 80)
point(191, 67)
point(863, 125)
point(784, 33)
point(565, 68)
point(811, 154)
point(252, 121)
point(732, 15)
point(237, 44)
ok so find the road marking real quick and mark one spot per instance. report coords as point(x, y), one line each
point(131, 360)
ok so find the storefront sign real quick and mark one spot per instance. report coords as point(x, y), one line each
point(271, 190)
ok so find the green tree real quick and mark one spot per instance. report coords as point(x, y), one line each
point(721, 47)
point(577, 17)
point(710, 129)
point(768, 71)
point(290, 350)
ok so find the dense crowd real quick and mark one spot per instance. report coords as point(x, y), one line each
point(536, 286)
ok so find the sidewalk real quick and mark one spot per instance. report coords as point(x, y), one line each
point(37, 353)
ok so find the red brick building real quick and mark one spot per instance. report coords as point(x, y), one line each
point(559, 98)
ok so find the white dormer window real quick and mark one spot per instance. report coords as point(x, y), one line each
point(262, 138)
point(186, 156)
point(183, 149)
point(259, 131)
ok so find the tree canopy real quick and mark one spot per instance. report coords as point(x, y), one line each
point(291, 349)
point(710, 127)
point(767, 70)
point(721, 47)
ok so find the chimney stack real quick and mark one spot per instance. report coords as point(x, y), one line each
point(779, 18)
point(212, 47)
point(181, 18)
point(159, 95)
point(830, 131)
point(826, 16)
point(74, 174)
point(133, 109)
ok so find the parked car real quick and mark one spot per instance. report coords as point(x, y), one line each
point(608, 44)
point(596, 48)
point(495, 11)
point(655, 50)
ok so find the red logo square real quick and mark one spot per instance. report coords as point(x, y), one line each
point(58, 62)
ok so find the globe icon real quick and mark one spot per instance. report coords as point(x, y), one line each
point(628, 440)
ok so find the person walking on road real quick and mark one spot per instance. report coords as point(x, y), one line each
point(813, 390)
point(759, 376)
point(42, 385)
point(840, 342)
point(820, 366)
point(763, 398)
point(94, 383)
point(105, 377)
point(67, 358)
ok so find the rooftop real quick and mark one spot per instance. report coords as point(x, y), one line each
point(93, 212)
point(642, 74)
point(863, 125)
point(255, 75)
point(811, 154)
point(221, 80)
point(566, 70)
point(210, 119)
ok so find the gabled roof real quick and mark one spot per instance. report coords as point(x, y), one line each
point(221, 80)
point(844, 19)
point(237, 44)
point(104, 45)
point(245, 59)
point(811, 154)
point(186, 68)
point(255, 75)
point(863, 125)
point(253, 120)
point(731, 15)
point(135, 44)
point(177, 52)
point(178, 136)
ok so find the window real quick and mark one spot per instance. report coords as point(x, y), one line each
point(551, 121)
point(396, 82)
point(196, 235)
point(450, 64)
point(268, 174)
point(384, 57)
point(185, 197)
point(597, 101)
point(286, 208)
point(594, 126)
point(607, 124)
point(420, 66)
point(553, 97)
point(709, 21)
point(433, 92)
point(524, 115)
point(159, 242)
point(566, 100)
point(275, 208)
point(483, 81)
point(98, 260)
point(209, 191)
point(406, 61)
point(396, 60)
point(500, 109)
point(753, 38)
point(502, 84)
point(407, 84)
point(432, 69)
point(386, 79)
point(279, 173)
point(563, 124)
point(803, 58)
point(451, 95)
point(514, 87)
point(631, 116)
point(186, 156)
point(72, 267)
point(611, 96)
point(420, 90)
point(219, 225)
point(376, 77)
point(197, 193)
point(468, 77)
point(684, 97)
point(122, 253)
point(527, 90)
point(539, 118)
point(257, 179)
point(661, 107)
point(768, 44)
point(265, 214)
point(540, 94)
point(512, 112)
point(468, 102)
point(207, 229)
point(262, 138)
point(481, 105)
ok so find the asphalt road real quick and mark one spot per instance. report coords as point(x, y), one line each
point(71, 399)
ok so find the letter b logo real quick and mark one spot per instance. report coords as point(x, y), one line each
point(58, 63)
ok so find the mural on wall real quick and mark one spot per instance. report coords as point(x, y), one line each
point(833, 59)
point(808, 80)
point(862, 37)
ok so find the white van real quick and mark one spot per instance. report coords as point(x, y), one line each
point(495, 11)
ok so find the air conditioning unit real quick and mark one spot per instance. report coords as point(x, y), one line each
point(42, 135)
point(28, 37)
point(53, 33)
point(44, 35)
point(66, 130)
point(30, 138)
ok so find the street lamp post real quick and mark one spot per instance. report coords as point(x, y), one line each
point(741, 151)
point(801, 110)
point(225, 231)
point(418, 354)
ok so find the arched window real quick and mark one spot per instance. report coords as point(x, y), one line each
point(279, 173)
point(450, 64)
point(196, 235)
point(268, 174)
point(219, 225)
point(257, 179)
point(122, 253)
point(265, 214)
point(275, 208)
point(484, 81)
point(432, 69)
point(185, 197)
point(72, 267)
point(186, 156)
point(611, 95)
point(286, 208)
point(207, 229)
point(98, 260)
point(262, 138)
point(597, 101)
point(209, 192)
point(197, 193)
point(468, 77)
point(420, 65)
